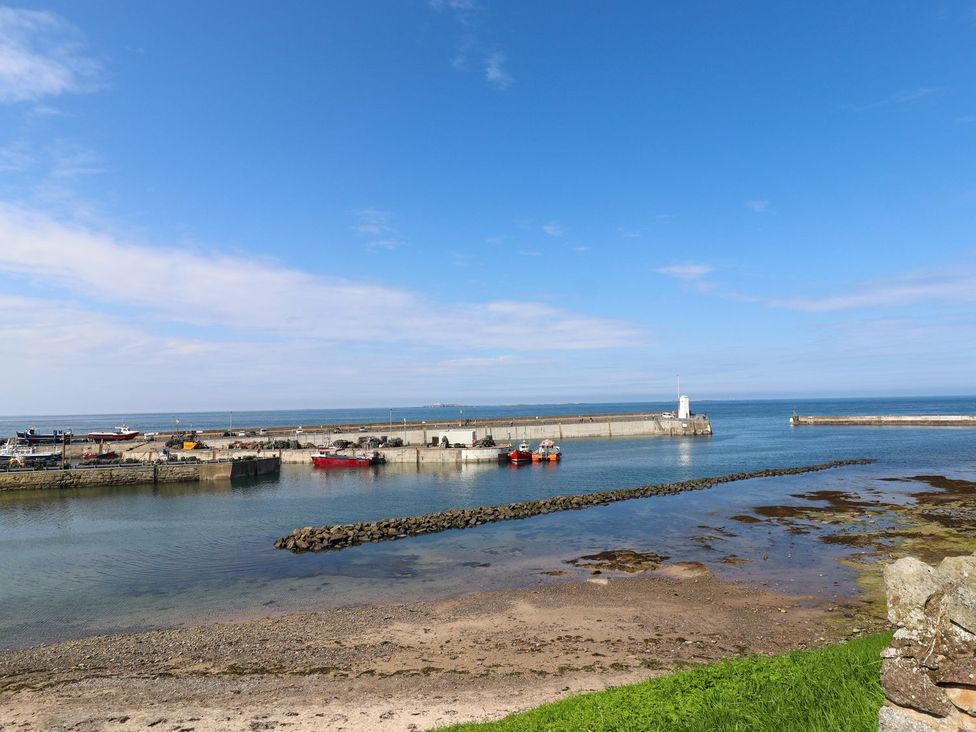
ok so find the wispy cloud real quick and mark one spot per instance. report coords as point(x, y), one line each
point(758, 205)
point(899, 98)
point(209, 288)
point(906, 290)
point(686, 271)
point(15, 158)
point(42, 55)
point(691, 275)
point(73, 161)
point(377, 226)
point(372, 221)
point(467, 46)
point(495, 72)
point(387, 244)
point(463, 9)
point(554, 228)
point(627, 233)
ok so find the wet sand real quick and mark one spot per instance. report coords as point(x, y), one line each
point(408, 667)
point(484, 655)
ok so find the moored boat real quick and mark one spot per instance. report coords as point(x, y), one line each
point(15, 454)
point(90, 456)
point(122, 432)
point(328, 458)
point(521, 454)
point(548, 452)
point(31, 436)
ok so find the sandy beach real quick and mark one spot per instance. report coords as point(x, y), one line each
point(408, 667)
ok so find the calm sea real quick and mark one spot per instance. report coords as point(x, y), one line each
point(81, 562)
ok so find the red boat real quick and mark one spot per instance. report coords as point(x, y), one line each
point(122, 432)
point(521, 454)
point(334, 459)
point(88, 456)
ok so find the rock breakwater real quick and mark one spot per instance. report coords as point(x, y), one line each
point(339, 536)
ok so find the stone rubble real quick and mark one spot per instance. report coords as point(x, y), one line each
point(339, 536)
point(928, 673)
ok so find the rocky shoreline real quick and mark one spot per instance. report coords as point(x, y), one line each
point(339, 536)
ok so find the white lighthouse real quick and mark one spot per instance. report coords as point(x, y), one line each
point(684, 407)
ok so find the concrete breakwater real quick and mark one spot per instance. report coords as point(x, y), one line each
point(339, 536)
point(932, 420)
point(630, 424)
point(121, 475)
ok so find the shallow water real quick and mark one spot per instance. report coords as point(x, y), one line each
point(104, 560)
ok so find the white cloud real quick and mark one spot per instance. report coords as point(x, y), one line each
point(495, 71)
point(41, 56)
point(388, 244)
point(554, 229)
point(906, 290)
point(691, 275)
point(372, 221)
point(686, 271)
point(453, 4)
point(759, 205)
point(249, 295)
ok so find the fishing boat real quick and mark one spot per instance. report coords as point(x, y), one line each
point(521, 454)
point(90, 456)
point(330, 458)
point(31, 436)
point(14, 454)
point(548, 452)
point(122, 432)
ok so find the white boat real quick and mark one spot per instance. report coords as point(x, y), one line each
point(16, 453)
point(122, 432)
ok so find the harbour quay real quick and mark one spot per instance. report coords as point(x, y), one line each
point(206, 455)
point(184, 471)
point(634, 424)
point(420, 442)
point(930, 420)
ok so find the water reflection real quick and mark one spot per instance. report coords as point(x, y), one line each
point(97, 559)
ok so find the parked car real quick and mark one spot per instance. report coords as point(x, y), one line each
point(262, 432)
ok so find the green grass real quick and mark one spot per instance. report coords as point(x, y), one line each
point(833, 688)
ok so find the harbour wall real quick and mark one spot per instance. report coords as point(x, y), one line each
point(939, 420)
point(652, 424)
point(122, 475)
point(503, 431)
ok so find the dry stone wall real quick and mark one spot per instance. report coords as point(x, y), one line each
point(929, 671)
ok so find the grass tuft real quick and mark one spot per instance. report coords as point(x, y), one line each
point(833, 688)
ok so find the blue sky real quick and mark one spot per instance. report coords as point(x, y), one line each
point(290, 204)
